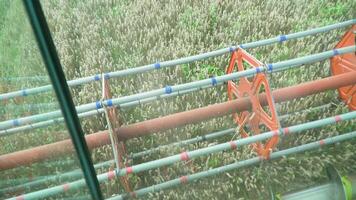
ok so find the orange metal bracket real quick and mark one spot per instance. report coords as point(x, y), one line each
point(120, 145)
point(251, 88)
point(343, 64)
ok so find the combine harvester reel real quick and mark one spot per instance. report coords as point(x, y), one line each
point(252, 89)
point(112, 120)
point(346, 63)
point(336, 188)
point(251, 102)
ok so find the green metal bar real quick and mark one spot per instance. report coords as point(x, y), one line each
point(77, 198)
point(38, 106)
point(236, 165)
point(56, 74)
point(25, 78)
point(321, 192)
point(337, 187)
point(14, 182)
point(104, 177)
point(68, 176)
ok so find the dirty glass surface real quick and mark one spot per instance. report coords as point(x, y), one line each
point(25, 173)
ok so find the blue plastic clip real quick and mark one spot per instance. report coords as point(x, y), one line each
point(168, 89)
point(282, 38)
point(109, 101)
point(96, 77)
point(336, 52)
point(107, 76)
point(270, 67)
point(258, 70)
point(214, 81)
point(98, 105)
point(157, 65)
point(24, 93)
point(232, 49)
point(15, 122)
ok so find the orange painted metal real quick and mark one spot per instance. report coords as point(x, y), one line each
point(346, 63)
point(118, 144)
point(98, 139)
point(251, 89)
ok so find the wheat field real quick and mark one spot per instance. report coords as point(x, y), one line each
point(103, 36)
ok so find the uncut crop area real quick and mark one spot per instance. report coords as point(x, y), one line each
point(104, 36)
